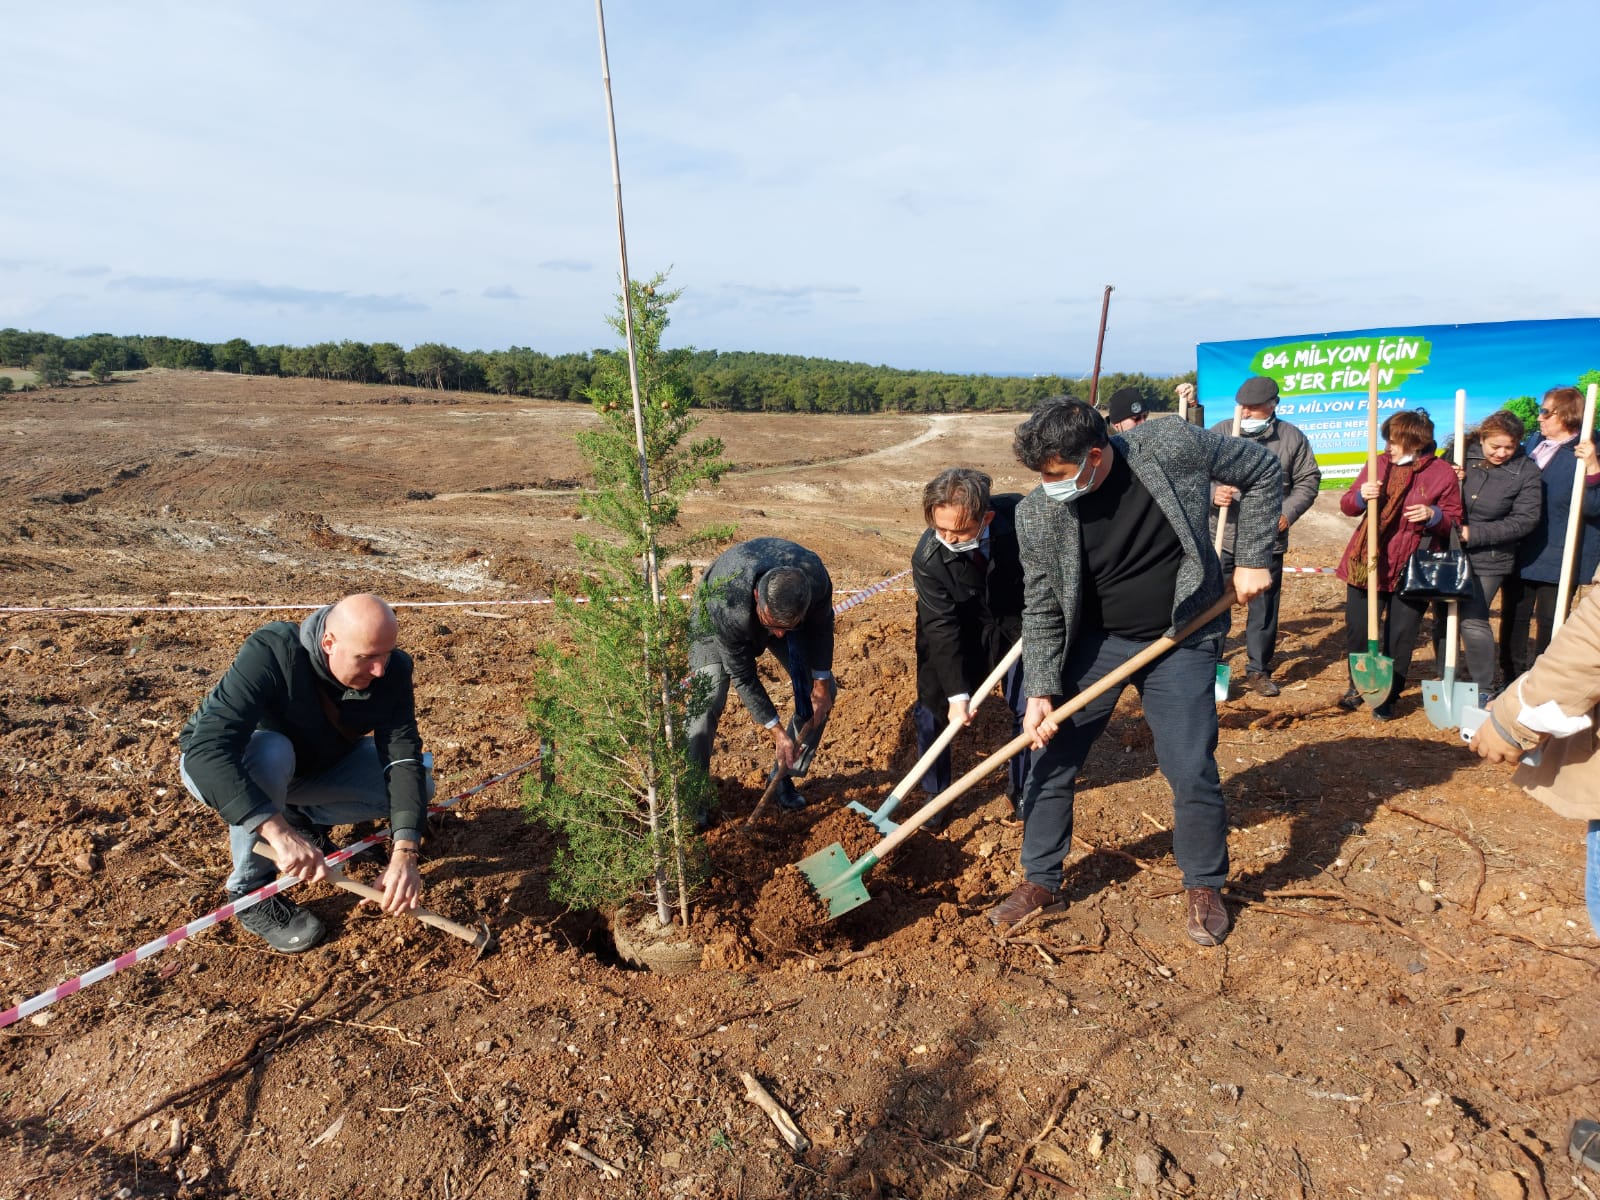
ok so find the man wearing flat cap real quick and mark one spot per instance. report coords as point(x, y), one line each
point(1126, 408)
point(1259, 422)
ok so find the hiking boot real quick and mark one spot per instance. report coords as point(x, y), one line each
point(1384, 711)
point(1351, 700)
point(1583, 1144)
point(282, 924)
point(1025, 900)
point(789, 797)
point(1261, 684)
point(1208, 916)
point(320, 836)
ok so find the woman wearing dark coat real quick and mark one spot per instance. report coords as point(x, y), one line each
point(1529, 598)
point(1502, 501)
point(1415, 496)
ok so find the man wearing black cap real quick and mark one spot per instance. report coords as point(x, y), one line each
point(1257, 399)
point(1126, 408)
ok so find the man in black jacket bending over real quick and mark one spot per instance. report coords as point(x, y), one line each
point(764, 594)
point(280, 748)
point(968, 578)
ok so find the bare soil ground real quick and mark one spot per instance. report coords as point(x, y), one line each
point(1405, 1008)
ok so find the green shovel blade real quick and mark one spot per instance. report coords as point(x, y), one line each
point(837, 879)
point(1373, 675)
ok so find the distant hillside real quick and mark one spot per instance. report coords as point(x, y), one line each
point(733, 381)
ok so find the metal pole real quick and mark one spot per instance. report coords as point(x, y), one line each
point(1099, 344)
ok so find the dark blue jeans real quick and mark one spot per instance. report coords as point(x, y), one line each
point(930, 725)
point(1176, 691)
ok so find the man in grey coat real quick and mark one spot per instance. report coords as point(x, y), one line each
point(1257, 399)
point(760, 595)
point(1115, 555)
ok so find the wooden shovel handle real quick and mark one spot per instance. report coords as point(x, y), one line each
point(476, 937)
point(1224, 509)
point(1023, 740)
point(1569, 552)
point(1373, 511)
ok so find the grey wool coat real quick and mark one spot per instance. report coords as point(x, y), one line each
point(1177, 462)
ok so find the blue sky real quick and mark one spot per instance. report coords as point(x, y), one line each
point(935, 185)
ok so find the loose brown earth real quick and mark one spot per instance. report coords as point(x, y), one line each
point(1405, 1007)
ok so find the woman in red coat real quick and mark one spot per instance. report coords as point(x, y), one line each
point(1415, 496)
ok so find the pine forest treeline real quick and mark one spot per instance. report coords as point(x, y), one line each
point(730, 381)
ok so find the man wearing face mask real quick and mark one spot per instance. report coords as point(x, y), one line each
point(968, 579)
point(1257, 399)
point(1116, 554)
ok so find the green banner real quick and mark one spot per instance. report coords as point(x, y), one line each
point(1341, 364)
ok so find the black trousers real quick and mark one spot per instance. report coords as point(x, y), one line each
point(1527, 606)
point(1399, 622)
point(1261, 625)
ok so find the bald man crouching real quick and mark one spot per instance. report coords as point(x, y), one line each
point(312, 726)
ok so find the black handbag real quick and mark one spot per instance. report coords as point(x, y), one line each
point(1438, 574)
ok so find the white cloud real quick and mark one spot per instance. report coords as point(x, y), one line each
point(939, 185)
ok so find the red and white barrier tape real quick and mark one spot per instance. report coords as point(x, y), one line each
point(1310, 570)
point(103, 609)
point(867, 593)
point(282, 884)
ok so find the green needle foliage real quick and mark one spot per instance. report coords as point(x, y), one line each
point(610, 704)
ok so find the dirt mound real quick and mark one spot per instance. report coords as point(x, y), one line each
point(1405, 1006)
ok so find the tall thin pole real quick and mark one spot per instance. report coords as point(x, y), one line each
point(651, 569)
point(627, 312)
point(1099, 344)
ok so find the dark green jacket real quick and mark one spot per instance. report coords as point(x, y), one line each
point(274, 685)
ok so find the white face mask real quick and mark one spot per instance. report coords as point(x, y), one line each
point(1253, 424)
point(962, 547)
point(1066, 490)
point(1400, 462)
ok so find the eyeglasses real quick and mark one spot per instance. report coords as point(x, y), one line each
point(1547, 412)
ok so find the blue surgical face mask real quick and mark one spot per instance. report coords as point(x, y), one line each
point(1067, 490)
point(1253, 424)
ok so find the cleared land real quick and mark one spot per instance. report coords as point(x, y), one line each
point(1405, 1007)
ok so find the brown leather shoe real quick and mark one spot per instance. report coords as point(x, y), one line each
point(1261, 684)
point(1024, 901)
point(1208, 916)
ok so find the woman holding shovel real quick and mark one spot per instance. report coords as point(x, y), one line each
point(1529, 604)
point(1415, 495)
point(1501, 504)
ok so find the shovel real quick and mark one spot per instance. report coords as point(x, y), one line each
point(1569, 553)
point(1444, 700)
point(880, 819)
point(808, 739)
point(1224, 671)
point(837, 880)
point(479, 939)
point(1372, 673)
